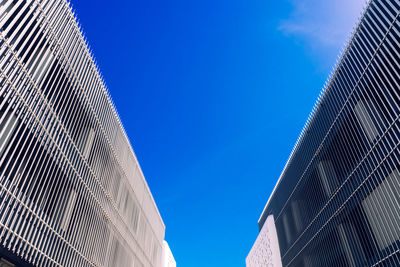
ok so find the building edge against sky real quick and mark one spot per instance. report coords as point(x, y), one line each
point(71, 190)
point(168, 259)
point(337, 201)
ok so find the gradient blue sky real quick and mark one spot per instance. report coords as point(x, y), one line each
point(213, 95)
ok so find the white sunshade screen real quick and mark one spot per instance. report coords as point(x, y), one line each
point(71, 189)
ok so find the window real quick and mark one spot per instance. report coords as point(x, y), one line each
point(382, 210)
point(365, 120)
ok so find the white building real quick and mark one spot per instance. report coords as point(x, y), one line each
point(265, 251)
point(167, 257)
point(72, 192)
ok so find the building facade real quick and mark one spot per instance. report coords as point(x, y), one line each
point(265, 251)
point(71, 190)
point(337, 201)
point(168, 259)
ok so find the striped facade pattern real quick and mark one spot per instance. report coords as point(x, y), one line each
point(337, 201)
point(71, 190)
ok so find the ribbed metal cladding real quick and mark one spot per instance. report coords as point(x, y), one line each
point(71, 190)
point(337, 202)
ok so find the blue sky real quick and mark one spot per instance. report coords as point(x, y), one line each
point(213, 95)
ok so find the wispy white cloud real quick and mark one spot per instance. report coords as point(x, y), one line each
point(325, 23)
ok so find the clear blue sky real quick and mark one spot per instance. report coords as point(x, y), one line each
point(213, 95)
